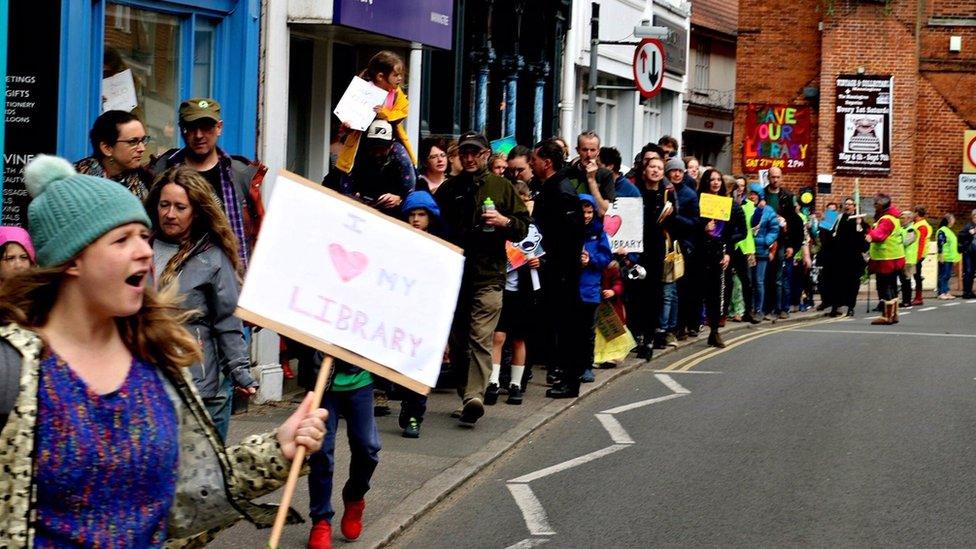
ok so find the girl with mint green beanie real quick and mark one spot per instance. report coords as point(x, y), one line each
point(103, 441)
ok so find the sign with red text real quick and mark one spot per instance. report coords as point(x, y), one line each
point(778, 136)
point(361, 286)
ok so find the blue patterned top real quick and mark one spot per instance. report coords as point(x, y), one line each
point(106, 464)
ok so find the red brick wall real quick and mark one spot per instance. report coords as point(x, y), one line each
point(780, 50)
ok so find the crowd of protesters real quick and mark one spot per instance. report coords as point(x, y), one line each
point(197, 225)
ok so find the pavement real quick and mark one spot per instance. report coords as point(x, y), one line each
point(414, 475)
point(823, 433)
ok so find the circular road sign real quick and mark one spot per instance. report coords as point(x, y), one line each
point(971, 151)
point(649, 67)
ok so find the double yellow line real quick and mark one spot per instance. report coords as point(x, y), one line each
point(690, 361)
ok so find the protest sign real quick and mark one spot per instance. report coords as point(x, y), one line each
point(714, 206)
point(624, 225)
point(358, 285)
point(829, 220)
point(119, 92)
point(778, 136)
point(608, 323)
point(519, 253)
point(355, 108)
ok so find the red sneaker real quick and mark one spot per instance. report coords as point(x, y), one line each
point(352, 519)
point(321, 535)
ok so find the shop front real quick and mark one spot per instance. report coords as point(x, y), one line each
point(70, 60)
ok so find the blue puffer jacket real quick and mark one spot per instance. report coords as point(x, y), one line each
point(596, 243)
point(765, 221)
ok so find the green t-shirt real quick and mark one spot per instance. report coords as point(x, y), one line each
point(350, 382)
point(772, 200)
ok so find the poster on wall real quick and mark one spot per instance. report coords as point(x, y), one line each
point(778, 136)
point(31, 121)
point(862, 125)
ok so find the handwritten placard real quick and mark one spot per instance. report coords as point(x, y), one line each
point(355, 108)
point(356, 284)
point(624, 225)
point(119, 92)
point(714, 206)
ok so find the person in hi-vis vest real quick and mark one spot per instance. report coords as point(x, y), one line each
point(887, 256)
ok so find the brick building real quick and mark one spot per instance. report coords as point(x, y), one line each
point(792, 52)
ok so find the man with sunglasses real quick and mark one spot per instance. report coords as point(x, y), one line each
point(236, 180)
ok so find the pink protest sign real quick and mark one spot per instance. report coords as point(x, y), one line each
point(352, 282)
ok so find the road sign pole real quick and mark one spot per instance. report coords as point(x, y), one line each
point(594, 61)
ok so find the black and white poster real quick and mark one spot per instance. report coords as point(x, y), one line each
point(31, 121)
point(862, 125)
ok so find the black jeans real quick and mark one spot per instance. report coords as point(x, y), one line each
point(740, 266)
point(690, 293)
point(887, 285)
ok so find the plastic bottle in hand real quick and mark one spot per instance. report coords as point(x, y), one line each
point(488, 205)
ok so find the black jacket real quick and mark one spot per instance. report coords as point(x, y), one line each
point(792, 236)
point(559, 215)
point(460, 199)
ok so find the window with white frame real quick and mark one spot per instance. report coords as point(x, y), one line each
point(651, 120)
point(606, 117)
point(703, 53)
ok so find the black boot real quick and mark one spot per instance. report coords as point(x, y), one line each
point(563, 391)
point(715, 339)
point(645, 352)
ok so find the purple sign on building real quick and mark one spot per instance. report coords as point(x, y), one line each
point(429, 22)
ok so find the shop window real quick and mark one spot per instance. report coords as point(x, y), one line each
point(140, 70)
point(203, 53)
point(703, 54)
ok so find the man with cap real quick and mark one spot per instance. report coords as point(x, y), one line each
point(236, 180)
point(480, 212)
point(376, 179)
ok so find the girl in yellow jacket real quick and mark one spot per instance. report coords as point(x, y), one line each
point(384, 70)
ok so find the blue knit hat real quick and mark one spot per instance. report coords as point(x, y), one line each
point(418, 200)
point(758, 189)
point(70, 211)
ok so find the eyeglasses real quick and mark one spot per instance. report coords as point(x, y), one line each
point(135, 141)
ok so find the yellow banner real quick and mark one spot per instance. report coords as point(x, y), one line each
point(714, 206)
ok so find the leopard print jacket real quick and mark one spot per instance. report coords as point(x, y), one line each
point(214, 484)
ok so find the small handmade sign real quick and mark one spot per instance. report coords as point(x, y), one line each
point(714, 206)
point(624, 225)
point(355, 107)
point(341, 277)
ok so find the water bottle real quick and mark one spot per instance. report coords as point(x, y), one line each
point(486, 207)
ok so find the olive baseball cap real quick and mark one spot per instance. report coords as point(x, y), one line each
point(199, 108)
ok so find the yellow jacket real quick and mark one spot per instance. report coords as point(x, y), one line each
point(395, 116)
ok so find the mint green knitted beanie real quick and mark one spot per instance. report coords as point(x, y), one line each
point(70, 210)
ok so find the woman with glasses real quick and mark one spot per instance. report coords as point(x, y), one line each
point(118, 141)
point(433, 164)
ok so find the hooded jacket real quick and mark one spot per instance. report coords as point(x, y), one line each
point(767, 230)
point(208, 284)
point(597, 245)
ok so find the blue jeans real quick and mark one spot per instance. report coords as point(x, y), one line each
point(219, 406)
point(356, 407)
point(759, 284)
point(668, 321)
point(945, 273)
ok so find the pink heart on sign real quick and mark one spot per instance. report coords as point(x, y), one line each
point(348, 264)
point(611, 224)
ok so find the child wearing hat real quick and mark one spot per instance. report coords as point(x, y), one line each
point(16, 252)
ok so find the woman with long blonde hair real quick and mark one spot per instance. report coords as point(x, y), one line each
point(103, 441)
point(196, 252)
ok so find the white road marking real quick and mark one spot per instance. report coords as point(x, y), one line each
point(532, 510)
point(951, 304)
point(866, 332)
point(904, 314)
point(617, 432)
point(560, 467)
point(971, 301)
point(670, 383)
point(688, 372)
point(927, 309)
point(527, 543)
point(641, 404)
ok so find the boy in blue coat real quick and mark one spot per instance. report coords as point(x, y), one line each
point(595, 257)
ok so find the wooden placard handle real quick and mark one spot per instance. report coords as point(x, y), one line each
point(296, 465)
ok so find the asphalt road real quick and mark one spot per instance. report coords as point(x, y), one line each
point(828, 434)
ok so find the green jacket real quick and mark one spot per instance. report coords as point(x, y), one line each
point(214, 484)
point(460, 200)
point(748, 244)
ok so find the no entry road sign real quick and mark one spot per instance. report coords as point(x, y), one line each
point(649, 67)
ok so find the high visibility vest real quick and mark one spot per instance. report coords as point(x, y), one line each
point(748, 244)
point(950, 250)
point(891, 247)
point(911, 250)
point(924, 246)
